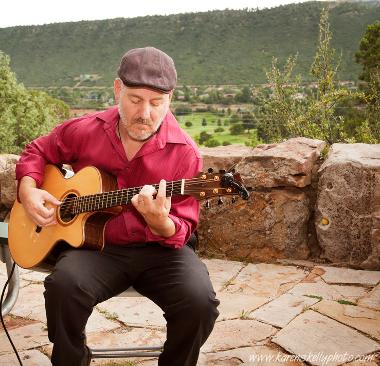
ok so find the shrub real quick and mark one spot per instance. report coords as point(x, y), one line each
point(212, 143)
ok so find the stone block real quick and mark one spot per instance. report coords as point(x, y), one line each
point(348, 187)
point(269, 226)
point(286, 164)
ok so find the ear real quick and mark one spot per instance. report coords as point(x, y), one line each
point(117, 85)
point(171, 95)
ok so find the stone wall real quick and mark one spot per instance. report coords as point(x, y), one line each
point(299, 208)
point(278, 219)
point(7, 183)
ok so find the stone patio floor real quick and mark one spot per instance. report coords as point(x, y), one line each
point(288, 313)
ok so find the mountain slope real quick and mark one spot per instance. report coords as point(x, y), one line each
point(218, 47)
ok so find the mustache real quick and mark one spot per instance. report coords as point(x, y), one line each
point(143, 121)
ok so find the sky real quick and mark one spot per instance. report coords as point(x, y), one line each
point(32, 12)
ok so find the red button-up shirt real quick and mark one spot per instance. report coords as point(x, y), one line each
point(91, 140)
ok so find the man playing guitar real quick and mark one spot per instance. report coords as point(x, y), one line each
point(139, 143)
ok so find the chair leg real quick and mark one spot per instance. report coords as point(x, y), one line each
point(126, 352)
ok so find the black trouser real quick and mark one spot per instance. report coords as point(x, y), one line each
point(175, 279)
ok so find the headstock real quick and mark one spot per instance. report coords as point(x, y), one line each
point(210, 184)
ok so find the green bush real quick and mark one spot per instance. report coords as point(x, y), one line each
point(203, 137)
point(237, 129)
point(183, 110)
point(212, 143)
point(24, 115)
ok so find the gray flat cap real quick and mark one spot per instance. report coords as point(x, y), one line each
point(149, 67)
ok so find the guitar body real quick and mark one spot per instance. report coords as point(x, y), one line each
point(30, 244)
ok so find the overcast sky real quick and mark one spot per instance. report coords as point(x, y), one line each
point(29, 12)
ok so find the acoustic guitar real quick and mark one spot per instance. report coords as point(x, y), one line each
point(89, 199)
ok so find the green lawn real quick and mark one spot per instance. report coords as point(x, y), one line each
point(211, 119)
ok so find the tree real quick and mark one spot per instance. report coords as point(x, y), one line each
point(369, 57)
point(234, 118)
point(203, 137)
point(248, 121)
point(369, 52)
point(289, 112)
point(244, 96)
point(277, 109)
point(188, 124)
point(237, 129)
point(24, 115)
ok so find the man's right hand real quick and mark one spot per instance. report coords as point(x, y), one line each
point(39, 204)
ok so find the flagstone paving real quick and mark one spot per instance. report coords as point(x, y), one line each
point(289, 313)
point(315, 338)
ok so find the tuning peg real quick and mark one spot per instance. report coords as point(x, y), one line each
point(234, 199)
point(210, 170)
point(207, 204)
point(220, 201)
point(222, 171)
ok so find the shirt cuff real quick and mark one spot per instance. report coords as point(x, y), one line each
point(176, 241)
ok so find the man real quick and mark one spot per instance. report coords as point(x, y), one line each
point(140, 143)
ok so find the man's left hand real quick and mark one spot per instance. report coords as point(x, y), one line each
point(155, 210)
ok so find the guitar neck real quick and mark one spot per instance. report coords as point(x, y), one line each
point(101, 201)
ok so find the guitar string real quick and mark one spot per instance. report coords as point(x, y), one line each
point(93, 205)
point(87, 202)
point(176, 184)
point(95, 199)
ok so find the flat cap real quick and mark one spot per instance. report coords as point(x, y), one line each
point(149, 67)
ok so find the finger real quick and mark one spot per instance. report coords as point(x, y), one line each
point(46, 212)
point(41, 221)
point(51, 199)
point(161, 194)
point(135, 200)
point(142, 203)
point(162, 188)
point(147, 191)
point(168, 203)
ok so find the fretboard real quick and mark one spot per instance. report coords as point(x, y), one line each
point(100, 201)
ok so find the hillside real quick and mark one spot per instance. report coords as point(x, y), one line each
point(218, 47)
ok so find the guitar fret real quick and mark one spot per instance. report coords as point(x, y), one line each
point(98, 201)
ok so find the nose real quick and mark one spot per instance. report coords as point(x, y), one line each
point(145, 111)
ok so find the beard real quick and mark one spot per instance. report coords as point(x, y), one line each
point(132, 134)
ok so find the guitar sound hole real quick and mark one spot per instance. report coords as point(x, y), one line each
point(65, 210)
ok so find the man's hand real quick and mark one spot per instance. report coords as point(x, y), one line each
point(40, 205)
point(155, 211)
